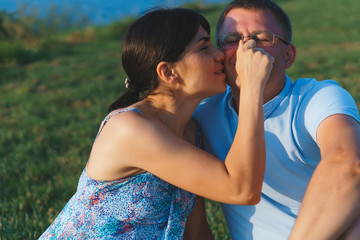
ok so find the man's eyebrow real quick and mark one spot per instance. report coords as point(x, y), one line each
point(206, 39)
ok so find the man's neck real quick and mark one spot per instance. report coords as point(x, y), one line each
point(270, 92)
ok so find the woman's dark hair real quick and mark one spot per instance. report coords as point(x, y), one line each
point(159, 35)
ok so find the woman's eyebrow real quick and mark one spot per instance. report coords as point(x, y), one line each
point(205, 38)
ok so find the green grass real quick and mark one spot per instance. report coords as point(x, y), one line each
point(55, 92)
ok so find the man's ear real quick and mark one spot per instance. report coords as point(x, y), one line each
point(166, 72)
point(290, 55)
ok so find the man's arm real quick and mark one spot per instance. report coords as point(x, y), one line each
point(197, 227)
point(331, 203)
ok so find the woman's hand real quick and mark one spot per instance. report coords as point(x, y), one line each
point(253, 65)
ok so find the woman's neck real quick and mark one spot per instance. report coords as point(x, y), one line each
point(174, 113)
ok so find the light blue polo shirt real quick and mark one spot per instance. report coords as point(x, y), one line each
point(292, 153)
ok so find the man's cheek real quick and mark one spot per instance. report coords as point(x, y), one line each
point(230, 55)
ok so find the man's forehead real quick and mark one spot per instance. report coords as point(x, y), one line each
point(240, 19)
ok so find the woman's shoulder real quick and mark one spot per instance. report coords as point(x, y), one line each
point(131, 123)
point(125, 115)
point(116, 151)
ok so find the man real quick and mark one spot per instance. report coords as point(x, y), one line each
point(312, 135)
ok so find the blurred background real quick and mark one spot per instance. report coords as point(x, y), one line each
point(60, 68)
point(94, 12)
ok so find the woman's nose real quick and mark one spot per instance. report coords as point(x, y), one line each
point(219, 55)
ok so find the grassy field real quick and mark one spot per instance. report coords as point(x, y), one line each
point(54, 92)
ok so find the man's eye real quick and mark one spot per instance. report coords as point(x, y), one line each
point(255, 37)
point(261, 37)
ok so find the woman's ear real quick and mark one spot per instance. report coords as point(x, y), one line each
point(166, 72)
point(290, 55)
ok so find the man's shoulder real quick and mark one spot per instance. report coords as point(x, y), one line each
point(213, 108)
point(217, 100)
point(306, 84)
point(307, 87)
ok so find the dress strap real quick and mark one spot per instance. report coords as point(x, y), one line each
point(113, 114)
point(120, 111)
point(198, 130)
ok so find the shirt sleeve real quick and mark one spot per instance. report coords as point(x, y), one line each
point(325, 99)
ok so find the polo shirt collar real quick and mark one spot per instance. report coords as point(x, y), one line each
point(270, 106)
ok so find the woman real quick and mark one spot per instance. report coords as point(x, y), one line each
point(145, 165)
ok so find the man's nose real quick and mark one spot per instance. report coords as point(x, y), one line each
point(246, 38)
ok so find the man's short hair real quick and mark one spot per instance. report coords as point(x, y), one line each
point(265, 5)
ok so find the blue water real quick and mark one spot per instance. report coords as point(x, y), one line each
point(98, 12)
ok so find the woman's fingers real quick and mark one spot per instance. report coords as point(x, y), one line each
point(253, 64)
